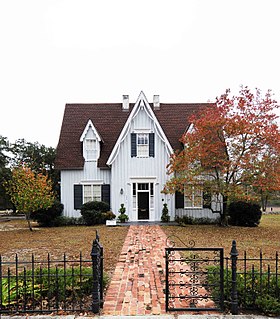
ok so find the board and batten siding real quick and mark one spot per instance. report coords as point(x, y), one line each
point(69, 178)
point(127, 170)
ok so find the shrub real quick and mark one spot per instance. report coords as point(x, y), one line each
point(67, 221)
point(254, 290)
point(244, 214)
point(95, 213)
point(186, 220)
point(47, 282)
point(165, 218)
point(47, 217)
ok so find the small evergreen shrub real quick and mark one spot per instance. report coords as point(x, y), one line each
point(47, 217)
point(244, 214)
point(95, 213)
point(165, 218)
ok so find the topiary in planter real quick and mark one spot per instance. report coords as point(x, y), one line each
point(165, 218)
point(244, 214)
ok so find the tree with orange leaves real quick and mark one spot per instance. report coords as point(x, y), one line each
point(29, 191)
point(231, 149)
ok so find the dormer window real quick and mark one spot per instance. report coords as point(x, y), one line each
point(91, 149)
point(91, 142)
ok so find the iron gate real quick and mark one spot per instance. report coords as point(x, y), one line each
point(188, 271)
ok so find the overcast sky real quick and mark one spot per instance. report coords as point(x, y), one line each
point(64, 51)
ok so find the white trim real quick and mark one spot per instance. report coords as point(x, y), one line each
point(92, 182)
point(90, 124)
point(141, 103)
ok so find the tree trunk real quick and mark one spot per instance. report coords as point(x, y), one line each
point(264, 199)
point(224, 215)
point(27, 216)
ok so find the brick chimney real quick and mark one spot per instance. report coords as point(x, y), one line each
point(156, 102)
point(125, 103)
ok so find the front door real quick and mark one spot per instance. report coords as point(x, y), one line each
point(143, 205)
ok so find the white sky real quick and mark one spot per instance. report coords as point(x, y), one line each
point(64, 51)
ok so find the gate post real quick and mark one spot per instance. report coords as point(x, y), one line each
point(234, 298)
point(96, 257)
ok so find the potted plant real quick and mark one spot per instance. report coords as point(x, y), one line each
point(165, 218)
point(123, 217)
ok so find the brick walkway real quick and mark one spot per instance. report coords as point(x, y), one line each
point(138, 282)
point(137, 286)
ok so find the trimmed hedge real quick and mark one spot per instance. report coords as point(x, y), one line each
point(95, 213)
point(47, 217)
point(244, 214)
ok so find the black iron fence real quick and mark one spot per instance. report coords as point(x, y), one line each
point(203, 279)
point(51, 285)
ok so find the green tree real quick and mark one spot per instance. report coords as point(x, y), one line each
point(5, 172)
point(36, 156)
point(29, 192)
point(226, 149)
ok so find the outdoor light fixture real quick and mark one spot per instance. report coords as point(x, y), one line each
point(121, 191)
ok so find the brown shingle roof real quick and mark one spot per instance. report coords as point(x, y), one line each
point(109, 120)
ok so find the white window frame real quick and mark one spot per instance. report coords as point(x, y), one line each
point(190, 196)
point(142, 149)
point(94, 194)
point(91, 148)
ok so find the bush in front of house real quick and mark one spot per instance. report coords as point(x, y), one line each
point(187, 220)
point(47, 217)
point(96, 213)
point(244, 214)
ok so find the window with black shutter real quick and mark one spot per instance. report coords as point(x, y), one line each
point(133, 145)
point(179, 200)
point(78, 196)
point(152, 144)
point(106, 193)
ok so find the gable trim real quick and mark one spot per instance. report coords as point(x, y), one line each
point(141, 103)
point(88, 126)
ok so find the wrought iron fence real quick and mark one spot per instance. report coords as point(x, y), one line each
point(51, 285)
point(203, 279)
point(256, 280)
point(187, 270)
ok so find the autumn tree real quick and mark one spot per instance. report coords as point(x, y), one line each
point(29, 192)
point(231, 149)
point(38, 157)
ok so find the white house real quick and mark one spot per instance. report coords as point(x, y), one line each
point(118, 153)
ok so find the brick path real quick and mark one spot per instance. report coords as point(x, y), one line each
point(137, 286)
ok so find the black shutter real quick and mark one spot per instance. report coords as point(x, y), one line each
point(207, 200)
point(133, 145)
point(179, 200)
point(105, 193)
point(152, 144)
point(78, 196)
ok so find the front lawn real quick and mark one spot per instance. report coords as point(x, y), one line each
point(15, 237)
point(265, 237)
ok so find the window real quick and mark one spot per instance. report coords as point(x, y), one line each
point(92, 193)
point(91, 149)
point(193, 198)
point(142, 145)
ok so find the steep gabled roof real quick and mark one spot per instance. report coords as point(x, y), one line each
point(109, 120)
